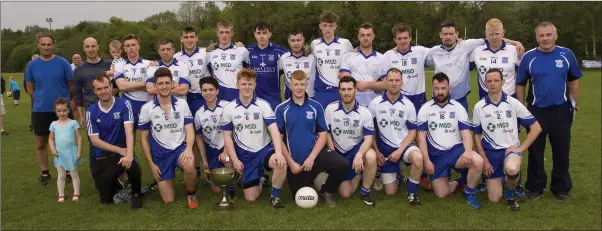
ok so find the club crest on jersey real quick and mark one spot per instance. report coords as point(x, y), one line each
point(223, 56)
point(156, 117)
point(504, 59)
point(143, 70)
point(414, 60)
point(559, 63)
point(452, 115)
point(232, 56)
point(176, 73)
point(400, 114)
point(116, 115)
point(356, 123)
point(508, 114)
point(306, 64)
point(256, 115)
point(271, 57)
point(176, 115)
point(199, 61)
point(337, 52)
point(310, 115)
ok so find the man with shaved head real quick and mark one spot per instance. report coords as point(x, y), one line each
point(76, 60)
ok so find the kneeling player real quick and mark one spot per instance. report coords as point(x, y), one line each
point(394, 121)
point(351, 132)
point(170, 122)
point(495, 119)
point(446, 142)
point(209, 138)
point(247, 119)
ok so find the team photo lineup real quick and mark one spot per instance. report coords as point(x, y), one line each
point(345, 118)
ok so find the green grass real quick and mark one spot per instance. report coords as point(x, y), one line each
point(27, 205)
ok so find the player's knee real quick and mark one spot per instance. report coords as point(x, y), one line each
point(346, 193)
point(494, 197)
point(370, 157)
point(41, 145)
point(441, 193)
point(168, 199)
point(250, 198)
point(477, 162)
point(390, 191)
point(189, 168)
point(416, 159)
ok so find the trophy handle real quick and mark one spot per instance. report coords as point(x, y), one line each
point(208, 176)
point(237, 177)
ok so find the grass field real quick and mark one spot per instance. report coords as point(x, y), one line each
point(28, 205)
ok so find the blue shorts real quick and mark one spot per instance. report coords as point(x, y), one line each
point(446, 162)
point(168, 163)
point(273, 98)
point(349, 156)
point(464, 102)
point(326, 97)
point(213, 157)
point(390, 167)
point(287, 93)
point(195, 101)
point(136, 106)
point(255, 166)
point(228, 94)
point(417, 100)
point(496, 159)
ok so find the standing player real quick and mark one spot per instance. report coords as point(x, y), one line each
point(366, 66)
point(351, 133)
point(209, 138)
point(172, 137)
point(178, 70)
point(196, 59)
point(495, 120)
point(329, 51)
point(394, 119)
point(248, 119)
point(226, 61)
point(131, 75)
point(263, 59)
point(297, 59)
point(445, 141)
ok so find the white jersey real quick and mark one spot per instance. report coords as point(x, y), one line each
point(455, 64)
point(197, 67)
point(443, 125)
point(133, 72)
point(411, 64)
point(178, 70)
point(364, 68)
point(328, 61)
point(498, 123)
point(348, 128)
point(207, 122)
point(248, 125)
point(393, 120)
point(224, 64)
point(307, 63)
point(505, 59)
point(166, 133)
point(73, 67)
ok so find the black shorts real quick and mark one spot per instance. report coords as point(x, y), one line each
point(42, 121)
point(17, 95)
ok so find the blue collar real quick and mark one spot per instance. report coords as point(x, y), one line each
point(174, 62)
point(385, 98)
point(298, 57)
point(270, 45)
point(173, 102)
point(196, 50)
point(443, 47)
point(305, 99)
point(355, 107)
point(127, 61)
point(335, 40)
point(404, 53)
point(227, 48)
point(448, 103)
point(217, 101)
point(488, 100)
point(253, 101)
point(488, 46)
point(367, 56)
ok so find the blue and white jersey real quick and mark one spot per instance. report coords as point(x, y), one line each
point(348, 128)
point(504, 59)
point(207, 122)
point(364, 67)
point(179, 71)
point(498, 123)
point(167, 133)
point(108, 124)
point(248, 125)
point(307, 63)
point(549, 73)
point(411, 64)
point(328, 62)
point(455, 64)
point(197, 67)
point(443, 125)
point(265, 63)
point(393, 121)
point(225, 63)
point(133, 72)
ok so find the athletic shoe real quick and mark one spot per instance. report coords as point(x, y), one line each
point(45, 180)
point(265, 181)
point(137, 201)
point(123, 196)
point(413, 199)
point(232, 194)
point(329, 199)
point(472, 200)
point(151, 188)
point(520, 193)
point(482, 187)
point(276, 203)
point(4, 133)
point(534, 195)
point(562, 196)
point(378, 183)
point(192, 202)
point(367, 199)
point(513, 205)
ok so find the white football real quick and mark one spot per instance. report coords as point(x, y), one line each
point(306, 197)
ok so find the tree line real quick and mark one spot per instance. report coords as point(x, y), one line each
point(578, 25)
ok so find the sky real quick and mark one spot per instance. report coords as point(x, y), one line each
point(19, 14)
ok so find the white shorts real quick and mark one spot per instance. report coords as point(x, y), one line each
point(388, 178)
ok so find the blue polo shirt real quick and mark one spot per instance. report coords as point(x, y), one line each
point(549, 73)
point(50, 80)
point(301, 124)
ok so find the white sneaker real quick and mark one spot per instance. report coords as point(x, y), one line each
point(378, 184)
point(320, 180)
